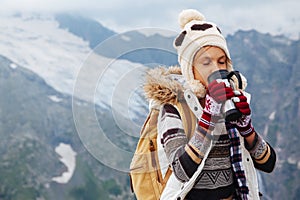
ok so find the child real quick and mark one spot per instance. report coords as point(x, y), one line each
point(228, 171)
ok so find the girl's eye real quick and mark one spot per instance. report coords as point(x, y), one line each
point(206, 62)
point(222, 62)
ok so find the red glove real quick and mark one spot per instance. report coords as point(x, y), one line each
point(240, 101)
point(243, 124)
point(211, 113)
point(220, 90)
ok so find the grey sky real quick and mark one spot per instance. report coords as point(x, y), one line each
point(273, 16)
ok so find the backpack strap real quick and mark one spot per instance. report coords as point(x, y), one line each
point(188, 118)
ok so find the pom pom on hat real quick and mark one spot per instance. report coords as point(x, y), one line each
point(189, 15)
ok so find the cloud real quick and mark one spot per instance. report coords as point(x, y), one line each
point(276, 16)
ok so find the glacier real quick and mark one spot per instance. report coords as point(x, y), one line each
point(37, 43)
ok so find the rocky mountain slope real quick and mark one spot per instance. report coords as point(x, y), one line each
point(35, 119)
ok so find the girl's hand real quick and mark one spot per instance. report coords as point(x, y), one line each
point(220, 91)
point(243, 124)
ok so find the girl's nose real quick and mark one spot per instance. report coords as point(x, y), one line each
point(214, 67)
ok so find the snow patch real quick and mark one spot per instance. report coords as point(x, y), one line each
point(13, 65)
point(148, 32)
point(68, 158)
point(291, 160)
point(55, 98)
point(282, 58)
point(126, 38)
point(272, 116)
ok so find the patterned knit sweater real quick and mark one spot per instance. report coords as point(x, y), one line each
point(184, 156)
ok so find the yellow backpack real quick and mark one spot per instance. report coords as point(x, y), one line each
point(146, 178)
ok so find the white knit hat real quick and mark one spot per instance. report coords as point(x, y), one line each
point(196, 33)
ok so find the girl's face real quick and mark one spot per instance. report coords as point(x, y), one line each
point(207, 60)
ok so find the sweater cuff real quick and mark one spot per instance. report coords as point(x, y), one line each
point(198, 145)
point(260, 150)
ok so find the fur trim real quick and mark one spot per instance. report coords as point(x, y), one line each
point(197, 87)
point(161, 87)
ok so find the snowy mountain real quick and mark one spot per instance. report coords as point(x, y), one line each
point(58, 56)
point(149, 46)
point(36, 43)
point(86, 28)
point(56, 89)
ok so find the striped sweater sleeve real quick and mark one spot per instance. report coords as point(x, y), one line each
point(184, 155)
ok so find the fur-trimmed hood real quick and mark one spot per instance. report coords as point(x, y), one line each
point(167, 85)
point(164, 85)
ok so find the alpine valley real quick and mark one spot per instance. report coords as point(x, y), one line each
point(71, 104)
